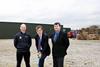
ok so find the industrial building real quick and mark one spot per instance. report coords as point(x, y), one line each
point(9, 29)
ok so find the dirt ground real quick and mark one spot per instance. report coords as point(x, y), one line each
point(81, 53)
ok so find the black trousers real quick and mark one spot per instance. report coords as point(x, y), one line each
point(58, 61)
point(25, 55)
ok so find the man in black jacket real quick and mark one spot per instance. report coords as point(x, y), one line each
point(42, 45)
point(60, 44)
point(22, 43)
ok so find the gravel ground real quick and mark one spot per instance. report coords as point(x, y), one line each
point(81, 53)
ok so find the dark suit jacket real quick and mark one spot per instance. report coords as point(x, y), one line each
point(60, 46)
point(44, 44)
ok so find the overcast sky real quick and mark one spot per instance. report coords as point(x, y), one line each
point(70, 13)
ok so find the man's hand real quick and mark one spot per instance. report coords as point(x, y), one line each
point(39, 54)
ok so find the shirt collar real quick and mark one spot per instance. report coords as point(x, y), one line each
point(57, 32)
point(23, 33)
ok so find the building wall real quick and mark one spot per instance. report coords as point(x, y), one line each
point(9, 29)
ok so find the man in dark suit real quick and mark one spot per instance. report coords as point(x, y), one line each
point(22, 43)
point(60, 44)
point(43, 49)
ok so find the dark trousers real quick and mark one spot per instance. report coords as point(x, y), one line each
point(41, 61)
point(26, 56)
point(58, 61)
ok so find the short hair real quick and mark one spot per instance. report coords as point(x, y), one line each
point(22, 24)
point(39, 26)
point(57, 23)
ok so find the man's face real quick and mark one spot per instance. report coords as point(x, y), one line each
point(23, 28)
point(39, 31)
point(57, 28)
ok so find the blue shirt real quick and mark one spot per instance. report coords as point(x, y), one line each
point(39, 44)
point(56, 36)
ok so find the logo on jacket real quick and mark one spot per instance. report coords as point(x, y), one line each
point(20, 37)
